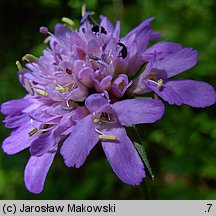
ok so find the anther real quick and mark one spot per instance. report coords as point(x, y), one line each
point(96, 121)
point(41, 92)
point(40, 133)
point(62, 89)
point(30, 58)
point(19, 67)
point(67, 21)
point(160, 84)
point(46, 40)
point(32, 132)
point(28, 87)
point(83, 9)
point(107, 137)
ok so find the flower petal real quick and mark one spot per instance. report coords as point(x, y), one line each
point(166, 92)
point(138, 29)
point(194, 93)
point(82, 139)
point(85, 76)
point(14, 107)
point(43, 144)
point(106, 24)
point(123, 157)
point(177, 62)
point(36, 171)
point(19, 139)
point(96, 103)
point(15, 121)
point(162, 50)
point(137, 111)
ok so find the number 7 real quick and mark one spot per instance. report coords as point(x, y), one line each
point(210, 205)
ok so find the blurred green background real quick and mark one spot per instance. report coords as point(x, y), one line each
point(181, 147)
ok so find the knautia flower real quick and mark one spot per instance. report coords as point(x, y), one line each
point(75, 92)
point(81, 92)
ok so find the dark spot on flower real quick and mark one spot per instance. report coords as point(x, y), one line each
point(68, 71)
point(123, 52)
point(97, 29)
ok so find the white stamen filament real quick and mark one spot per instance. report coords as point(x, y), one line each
point(98, 131)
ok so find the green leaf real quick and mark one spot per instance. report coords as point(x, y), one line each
point(134, 136)
point(143, 155)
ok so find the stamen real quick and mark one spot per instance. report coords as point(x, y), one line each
point(32, 132)
point(62, 89)
point(70, 105)
point(67, 21)
point(66, 108)
point(41, 92)
point(46, 40)
point(160, 84)
point(19, 66)
point(86, 16)
point(107, 137)
point(28, 87)
point(30, 58)
point(98, 131)
point(83, 9)
point(44, 129)
point(97, 120)
point(45, 30)
point(40, 133)
point(74, 85)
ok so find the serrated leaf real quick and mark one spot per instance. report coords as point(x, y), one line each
point(143, 155)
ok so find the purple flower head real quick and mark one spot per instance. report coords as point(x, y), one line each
point(81, 92)
point(165, 60)
point(75, 92)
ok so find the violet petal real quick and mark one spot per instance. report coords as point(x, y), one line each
point(123, 157)
point(78, 145)
point(137, 111)
point(19, 139)
point(177, 62)
point(166, 92)
point(194, 93)
point(14, 107)
point(36, 171)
